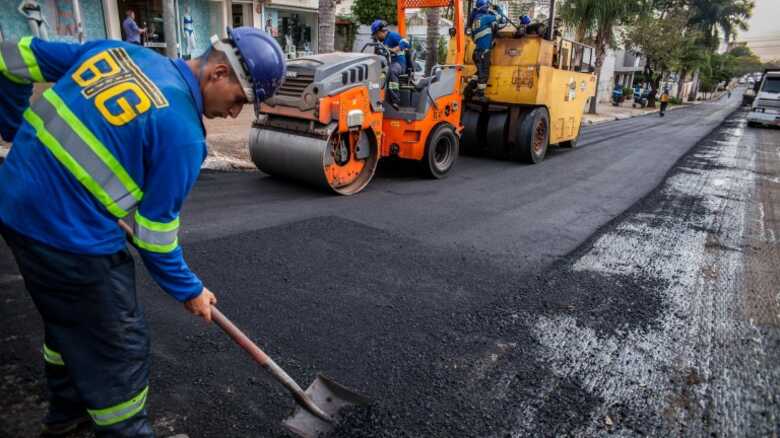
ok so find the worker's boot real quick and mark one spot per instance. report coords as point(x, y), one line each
point(64, 427)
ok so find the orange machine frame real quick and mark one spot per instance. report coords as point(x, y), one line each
point(410, 137)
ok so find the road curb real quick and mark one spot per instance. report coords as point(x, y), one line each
point(631, 116)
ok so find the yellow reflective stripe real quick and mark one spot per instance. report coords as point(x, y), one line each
point(29, 59)
point(161, 237)
point(156, 226)
point(52, 356)
point(483, 33)
point(71, 164)
point(120, 412)
point(154, 247)
point(96, 145)
point(10, 76)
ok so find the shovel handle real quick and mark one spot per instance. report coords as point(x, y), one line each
point(266, 362)
point(239, 337)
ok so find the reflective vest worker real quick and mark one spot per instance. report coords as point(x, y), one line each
point(120, 131)
point(397, 46)
point(483, 23)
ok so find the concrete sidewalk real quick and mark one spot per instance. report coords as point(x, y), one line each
point(606, 112)
point(228, 142)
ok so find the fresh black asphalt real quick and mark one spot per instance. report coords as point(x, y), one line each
point(415, 292)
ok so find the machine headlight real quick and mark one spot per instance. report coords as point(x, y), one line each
point(355, 118)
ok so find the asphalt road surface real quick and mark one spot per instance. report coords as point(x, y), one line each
point(625, 288)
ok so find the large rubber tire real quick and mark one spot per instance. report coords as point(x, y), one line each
point(441, 151)
point(470, 140)
point(533, 136)
point(495, 135)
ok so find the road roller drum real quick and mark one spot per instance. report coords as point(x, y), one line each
point(341, 162)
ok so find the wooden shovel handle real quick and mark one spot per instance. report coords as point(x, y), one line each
point(266, 362)
point(239, 337)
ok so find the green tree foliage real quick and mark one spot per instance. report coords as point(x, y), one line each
point(712, 17)
point(658, 37)
point(599, 18)
point(744, 61)
point(366, 11)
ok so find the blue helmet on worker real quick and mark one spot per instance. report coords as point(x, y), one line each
point(525, 20)
point(377, 26)
point(483, 4)
point(257, 60)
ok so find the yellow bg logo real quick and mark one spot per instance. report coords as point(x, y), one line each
point(120, 90)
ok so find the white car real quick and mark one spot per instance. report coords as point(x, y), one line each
point(765, 109)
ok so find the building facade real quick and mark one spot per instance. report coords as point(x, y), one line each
point(64, 20)
point(292, 22)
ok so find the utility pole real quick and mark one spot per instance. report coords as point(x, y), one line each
point(229, 14)
point(79, 23)
point(169, 27)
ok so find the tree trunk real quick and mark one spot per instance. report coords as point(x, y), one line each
point(169, 27)
point(432, 39)
point(680, 84)
point(694, 87)
point(603, 37)
point(327, 28)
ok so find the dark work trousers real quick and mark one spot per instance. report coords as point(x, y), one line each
point(664, 105)
point(393, 82)
point(481, 58)
point(96, 341)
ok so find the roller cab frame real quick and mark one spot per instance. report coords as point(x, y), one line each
point(330, 123)
point(537, 90)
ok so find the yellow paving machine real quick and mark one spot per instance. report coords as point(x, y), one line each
point(538, 87)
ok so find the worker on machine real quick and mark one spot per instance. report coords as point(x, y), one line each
point(397, 46)
point(484, 22)
point(119, 131)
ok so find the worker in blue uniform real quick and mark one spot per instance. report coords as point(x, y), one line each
point(397, 46)
point(120, 131)
point(484, 24)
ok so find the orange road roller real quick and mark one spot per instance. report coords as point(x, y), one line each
point(329, 123)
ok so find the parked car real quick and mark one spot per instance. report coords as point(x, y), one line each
point(765, 108)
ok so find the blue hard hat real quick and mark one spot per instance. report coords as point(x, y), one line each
point(525, 19)
point(483, 4)
point(257, 60)
point(378, 25)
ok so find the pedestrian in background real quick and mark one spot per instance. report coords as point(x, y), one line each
point(664, 102)
point(132, 31)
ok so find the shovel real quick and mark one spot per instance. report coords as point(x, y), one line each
point(318, 406)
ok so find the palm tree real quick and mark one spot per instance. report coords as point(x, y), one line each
point(327, 33)
point(432, 38)
point(709, 17)
point(599, 17)
point(712, 16)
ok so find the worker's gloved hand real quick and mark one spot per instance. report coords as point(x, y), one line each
point(201, 305)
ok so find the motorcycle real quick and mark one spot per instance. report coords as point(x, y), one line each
point(617, 96)
point(640, 97)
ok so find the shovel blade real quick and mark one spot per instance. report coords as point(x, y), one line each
point(329, 396)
